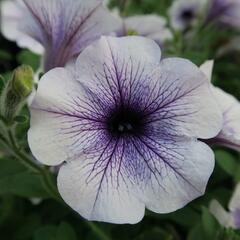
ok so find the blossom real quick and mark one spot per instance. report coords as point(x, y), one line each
point(229, 219)
point(225, 12)
point(150, 26)
point(125, 125)
point(185, 13)
point(229, 136)
point(62, 27)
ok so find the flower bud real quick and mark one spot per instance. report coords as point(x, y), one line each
point(16, 91)
point(22, 81)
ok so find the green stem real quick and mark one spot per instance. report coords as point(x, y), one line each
point(24, 159)
point(50, 185)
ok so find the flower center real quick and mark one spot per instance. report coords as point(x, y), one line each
point(187, 15)
point(125, 121)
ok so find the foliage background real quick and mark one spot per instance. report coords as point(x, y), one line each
point(20, 219)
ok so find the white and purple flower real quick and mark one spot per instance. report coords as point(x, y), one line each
point(229, 136)
point(229, 219)
point(125, 125)
point(225, 11)
point(63, 28)
point(151, 26)
point(186, 13)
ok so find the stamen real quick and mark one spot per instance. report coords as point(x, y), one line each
point(122, 121)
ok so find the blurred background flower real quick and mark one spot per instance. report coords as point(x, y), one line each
point(229, 136)
point(231, 218)
point(62, 28)
point(150, 26)
point(225, 12)
point(186, 13)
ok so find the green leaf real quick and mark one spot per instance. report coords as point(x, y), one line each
point(5, 56)
point(29, 226)
point(185, 217)
point(226, 161)
point(65, 232)
point(209, 223)
point(20, 119)
point(62, 232)
point(227, 234)
point(197, 233)
point(15, 179)
point(46, 233)
point(29, 58)
point(237, 174)
point(155, 234)
point(9, 166)
point(2, 83)
point(24, 184)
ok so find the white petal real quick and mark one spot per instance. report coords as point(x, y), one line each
point(230, 107)
point(234, 203)
point(112, 65)
point(105, 196)
point(54, 117)
point(115, 182)
point(151, 26)
point(207, 69)
point(181, 175)
point(12, 14)
point(186, 91)
point(223, 217)
point(103, 51)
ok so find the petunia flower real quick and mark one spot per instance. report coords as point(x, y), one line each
point(230, 107)
point(186, 13)
point(229, 219)
point(225, 12)
point(150, 26)
point(62, 27)
point(126, 126)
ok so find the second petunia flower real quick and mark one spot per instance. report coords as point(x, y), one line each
point(125, 125)
point(60, 28)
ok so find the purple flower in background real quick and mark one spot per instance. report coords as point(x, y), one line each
point(225, 11)
point(185, 13)
point(229, 136)
point(62, 27)
point(150, 26)
point(229, 219)
point(126, 126)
